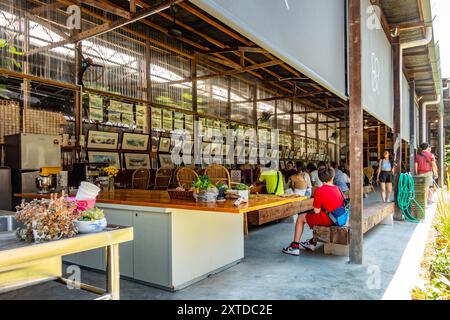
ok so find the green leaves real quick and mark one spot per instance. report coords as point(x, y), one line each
point(3, 43)
point(203, 183)
point(13, 50)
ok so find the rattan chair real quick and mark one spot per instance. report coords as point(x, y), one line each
point(173, 180)
point(217, 174)
point(140, 179)
point(163, 178)
point(186, 177)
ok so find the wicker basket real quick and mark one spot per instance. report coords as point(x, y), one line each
point(181, 195)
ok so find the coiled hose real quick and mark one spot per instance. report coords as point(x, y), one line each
point(407, 195)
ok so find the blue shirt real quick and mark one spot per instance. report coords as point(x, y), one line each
point(386, 165)
point(340, 180)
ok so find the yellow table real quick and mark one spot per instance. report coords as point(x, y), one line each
point(24, 264)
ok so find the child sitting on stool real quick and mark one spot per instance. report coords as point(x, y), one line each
point(328, 197)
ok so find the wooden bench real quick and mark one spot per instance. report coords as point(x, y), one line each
point(264, 216)
point(337, 239)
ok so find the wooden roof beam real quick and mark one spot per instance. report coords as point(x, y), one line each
point(109, 26)
point(108, 6)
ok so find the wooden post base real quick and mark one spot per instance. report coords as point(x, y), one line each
point(388, 221)
point(336, 249)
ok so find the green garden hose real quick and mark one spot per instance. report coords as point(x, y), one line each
point(407, 195)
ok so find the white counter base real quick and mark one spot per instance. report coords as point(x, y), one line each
point(172, 248)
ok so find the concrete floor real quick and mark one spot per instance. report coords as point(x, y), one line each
point(266, 273)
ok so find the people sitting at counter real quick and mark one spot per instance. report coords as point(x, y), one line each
point(341, 180)
point(273, 180)
point(300, 182)
point(289, 171)
point(315, 174)
point(328, 197)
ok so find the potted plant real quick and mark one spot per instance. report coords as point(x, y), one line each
point(205, 191)
point(243, 192)
point(112, 172)
point(91, 221)
point(222, 188)
point(47, 219)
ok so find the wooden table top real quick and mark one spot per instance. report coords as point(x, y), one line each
point(13, 251)
point(161, 199)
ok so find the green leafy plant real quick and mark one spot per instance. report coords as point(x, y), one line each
point(222, 185)
point(92, 215)
point(6, 61)
point(242, 187)
point(202, 183)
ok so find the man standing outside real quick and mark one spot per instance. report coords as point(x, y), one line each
point(425, 166)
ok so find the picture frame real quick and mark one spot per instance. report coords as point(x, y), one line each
point(187, 147)
point(216, 149)
point(282, 165)
point(287, 153)
point(164, 144)
point(112, 158)
point(298, 155)
point(135, 141)
point(133, 161)
point(102, 140)
point(292, 154)
point(165, 161)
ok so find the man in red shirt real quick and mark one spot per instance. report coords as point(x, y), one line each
point(327, 197)
point(425, 166)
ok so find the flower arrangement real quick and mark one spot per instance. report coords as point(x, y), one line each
point(46, 220)
point(111, 171)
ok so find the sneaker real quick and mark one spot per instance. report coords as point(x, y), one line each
point(308, 245)
point(293, 250)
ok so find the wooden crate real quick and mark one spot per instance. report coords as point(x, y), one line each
point(333, 235)
point(420, 189)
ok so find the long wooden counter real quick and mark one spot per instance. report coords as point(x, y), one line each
point(176, 243)
point(161, 199)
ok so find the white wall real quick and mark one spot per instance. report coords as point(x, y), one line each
point(308, 35)
point(377, 76)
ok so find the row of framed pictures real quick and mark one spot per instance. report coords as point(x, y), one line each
point(131, 161)
point(110, 140)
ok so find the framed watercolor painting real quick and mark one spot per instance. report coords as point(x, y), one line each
point(165, 161)
point(102, 140)
point(112, 158)
point(135, 141)
point(164, 144)
point(135, 161)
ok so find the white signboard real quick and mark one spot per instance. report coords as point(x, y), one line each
point(377, 76)
point(308, 35)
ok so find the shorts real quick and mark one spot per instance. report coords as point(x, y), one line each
point(386, 177)
point(429, 181)
point(318, 219)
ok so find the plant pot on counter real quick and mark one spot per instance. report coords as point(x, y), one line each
point(209, 195)
point(91, 226)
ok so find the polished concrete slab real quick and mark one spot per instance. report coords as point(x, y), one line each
point(266, 273)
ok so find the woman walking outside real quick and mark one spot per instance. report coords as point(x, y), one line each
point(385, 176)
